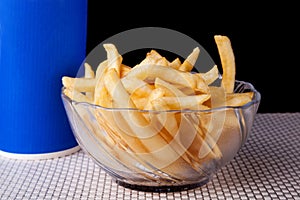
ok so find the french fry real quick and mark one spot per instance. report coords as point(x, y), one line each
point(124, 70)
point(170, 89)
point(228, 62)
point(137, 87)
point(201, 84)
point(183, 103)
point(208, 145)
point(218, 97)
point(139, 102)
point(100, 71)
point(114, 59)
point(169, 74)
point(79, 84)
point(154, 58)
point(200, 147)
point(155, 94)
point(90, 74)
point(190, 61)
point(76, 96)
point(238, 99)
point(168, 120)
point(88, 71)
point(100, 93)
point(210, 76)
point(175, 64)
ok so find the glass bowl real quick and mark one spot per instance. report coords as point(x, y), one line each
point(206, 140)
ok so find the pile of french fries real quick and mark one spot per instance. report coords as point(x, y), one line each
point(154, 107)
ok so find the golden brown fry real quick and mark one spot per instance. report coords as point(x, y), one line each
point(100, 93)
point(190, 61)
point(154, 58)
point(101, 69)
point(155, 94)
point(137, 87)
point(139, 102)
point(79, 84)
point(170, 90)
point(210, 76)
point(218, 97)
point(76, 96)
point(208, 148)
point(168, 74)
point(114, 59)
point(238, 99)
point(167, 120)
point(186, 90)
point(175, 64)
point(89, 73)
point(201, 87)
point(228, 62)
point(124, 70)
point(185, 102)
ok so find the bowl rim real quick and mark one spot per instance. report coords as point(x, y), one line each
point(255, 100)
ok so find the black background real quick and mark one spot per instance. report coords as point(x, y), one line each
point(265, 39)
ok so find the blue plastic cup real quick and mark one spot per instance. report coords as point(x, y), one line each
point(40, 41)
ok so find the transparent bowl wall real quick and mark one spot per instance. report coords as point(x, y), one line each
point(187, 160)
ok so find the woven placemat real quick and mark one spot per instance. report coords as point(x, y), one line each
point(267, 167)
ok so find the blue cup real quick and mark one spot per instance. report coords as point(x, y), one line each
point(40, 41)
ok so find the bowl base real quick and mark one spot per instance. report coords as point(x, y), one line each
point(169, 188)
